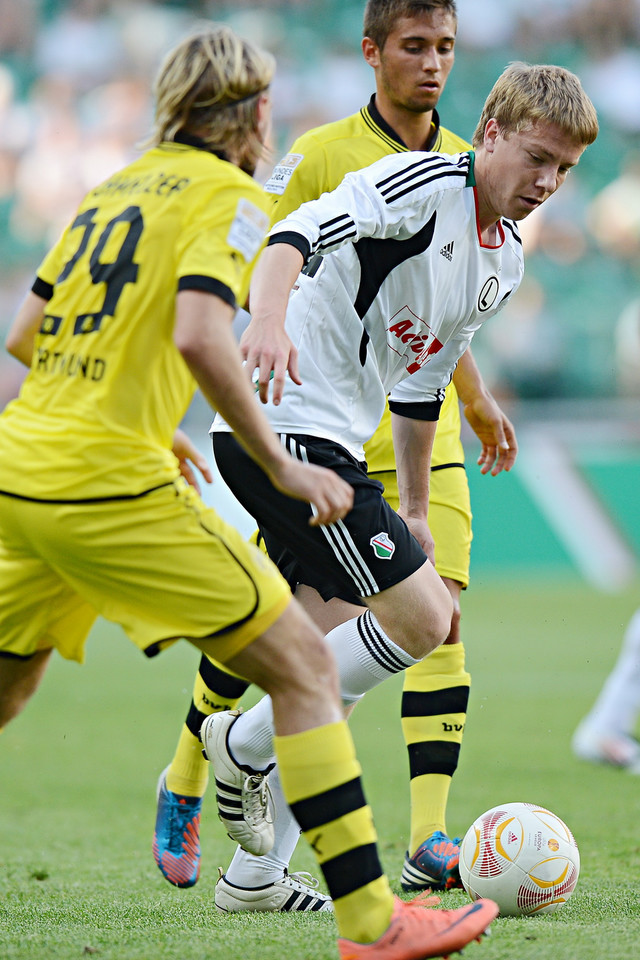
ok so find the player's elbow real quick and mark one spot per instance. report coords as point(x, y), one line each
point(190, 341)
point(187, 345)
point(18, 348)
point(11, 345)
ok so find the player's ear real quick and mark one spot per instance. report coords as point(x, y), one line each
point(371, 51)
point(491, 134)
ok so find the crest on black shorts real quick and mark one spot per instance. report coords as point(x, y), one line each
point(383, 546)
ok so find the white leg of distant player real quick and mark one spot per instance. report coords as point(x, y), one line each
point(618, 704)
point(606, 734)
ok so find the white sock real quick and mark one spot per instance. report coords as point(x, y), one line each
point(618, 704)
point(251, 736)
point(365, 657)
point(247, 870)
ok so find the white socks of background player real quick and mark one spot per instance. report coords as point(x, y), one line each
point(365, 656)
point(618, 704)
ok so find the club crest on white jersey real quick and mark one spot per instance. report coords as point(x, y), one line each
point(488, 294)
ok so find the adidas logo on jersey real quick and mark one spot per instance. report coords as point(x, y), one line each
point(447, 251)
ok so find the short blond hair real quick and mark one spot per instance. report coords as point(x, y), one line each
point(208, 86)
point(526, 93)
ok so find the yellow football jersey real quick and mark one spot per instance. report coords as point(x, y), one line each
point(107, 385)
point(318, 162)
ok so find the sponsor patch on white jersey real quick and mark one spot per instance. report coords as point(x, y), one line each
point(411, 338)
point(277, 182)
point(248, 229)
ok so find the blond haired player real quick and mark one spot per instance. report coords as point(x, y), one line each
point(383, 315)
point(131, 309)
point(410, 47)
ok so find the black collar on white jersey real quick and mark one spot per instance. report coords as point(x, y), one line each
point(387, 129)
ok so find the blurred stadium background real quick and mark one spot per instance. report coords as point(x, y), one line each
point(564, 359)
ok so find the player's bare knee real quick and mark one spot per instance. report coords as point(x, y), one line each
point(419, 624)
point(429, 621)
point(434, 629)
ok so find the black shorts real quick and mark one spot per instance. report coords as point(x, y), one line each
point(370, 550)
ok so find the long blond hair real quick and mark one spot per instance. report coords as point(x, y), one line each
point(208, 86)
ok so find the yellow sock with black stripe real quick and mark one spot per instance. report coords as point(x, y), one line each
point(434, 709)
point(320, 778)
point(216, 688)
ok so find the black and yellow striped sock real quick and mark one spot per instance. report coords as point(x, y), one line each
point(434, 708)
point(320, 778)
point(215, 689)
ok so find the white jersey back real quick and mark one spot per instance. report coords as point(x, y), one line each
point(396, 284)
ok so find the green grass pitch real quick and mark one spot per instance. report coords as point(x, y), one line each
point(79, 768)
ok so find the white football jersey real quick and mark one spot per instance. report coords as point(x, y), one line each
point(396, 284)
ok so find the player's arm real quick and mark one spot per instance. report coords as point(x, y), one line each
point(356, 208)
point(412, 444)
point(265, 345)
point(302, 182)
point(363, 205)
point(22, 332)
point(20, 341)
point(203, 335)
point(492, 427)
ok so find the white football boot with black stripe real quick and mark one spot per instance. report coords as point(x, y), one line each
point(294, 891)
point(244, 801)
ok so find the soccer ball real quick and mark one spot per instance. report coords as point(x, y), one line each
point(522, 856)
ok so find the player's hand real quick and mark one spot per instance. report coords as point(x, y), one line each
point(268, 350)
point(496, 433)
point(187, 454)
point(330, 496)
point(421, 531)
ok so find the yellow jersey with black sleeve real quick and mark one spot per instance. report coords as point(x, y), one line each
point(317, 162)
point(107, 386)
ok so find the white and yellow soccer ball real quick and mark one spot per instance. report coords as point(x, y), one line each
point(522, 856)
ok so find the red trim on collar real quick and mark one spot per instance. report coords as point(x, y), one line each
point(487, 246)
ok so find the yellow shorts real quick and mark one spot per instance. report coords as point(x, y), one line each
point(449, 518)
point(164, 566)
